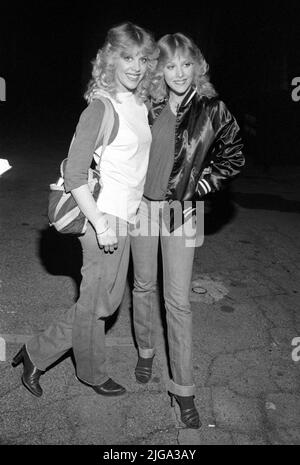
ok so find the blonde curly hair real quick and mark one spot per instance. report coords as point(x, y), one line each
point(121, 39)
point(169, 46)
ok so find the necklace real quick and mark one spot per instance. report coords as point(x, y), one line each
point(174, 106)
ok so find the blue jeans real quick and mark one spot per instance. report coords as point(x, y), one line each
point(177, 261)
point(82, 326)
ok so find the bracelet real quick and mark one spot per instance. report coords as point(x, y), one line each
point(99, 233)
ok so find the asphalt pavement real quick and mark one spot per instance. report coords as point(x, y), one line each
point(246, 329)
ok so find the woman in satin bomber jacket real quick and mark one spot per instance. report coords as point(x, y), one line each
point(196, 147)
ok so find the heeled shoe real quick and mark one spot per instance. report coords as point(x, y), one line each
point(31, 374)
point(109, 388)
point(189, 416)
point(143, 370)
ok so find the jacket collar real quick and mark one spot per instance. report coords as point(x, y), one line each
point(188, 97)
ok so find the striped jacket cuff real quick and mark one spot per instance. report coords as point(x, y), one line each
point(203, 187)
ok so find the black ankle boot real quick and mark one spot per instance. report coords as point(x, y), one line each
point(188, 412)
point(143, 369)
point(109, 388)
point(31, 374)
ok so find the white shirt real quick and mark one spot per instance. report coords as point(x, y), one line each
point(124, 162)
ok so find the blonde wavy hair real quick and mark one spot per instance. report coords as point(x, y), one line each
point(171, 45)
point(119, 40)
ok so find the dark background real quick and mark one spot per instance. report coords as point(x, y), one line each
point(252, 48)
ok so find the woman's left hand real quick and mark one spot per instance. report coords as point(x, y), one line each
point(107, 240)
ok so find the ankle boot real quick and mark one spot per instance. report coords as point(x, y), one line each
point(188, 412)
point(109, 388)
point(143, 369)
point(31, 374)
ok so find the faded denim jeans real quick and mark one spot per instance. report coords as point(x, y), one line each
point(81, 328)
point(177, 261)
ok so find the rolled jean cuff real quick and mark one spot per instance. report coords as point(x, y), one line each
point(146, 353)
point(180, 390)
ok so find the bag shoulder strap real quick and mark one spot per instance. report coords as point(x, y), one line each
point(106, 126)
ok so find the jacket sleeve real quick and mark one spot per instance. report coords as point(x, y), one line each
point(83, 146)
point(225, 158)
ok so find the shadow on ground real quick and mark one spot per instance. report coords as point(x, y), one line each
point(61, 254)
point(219, 209)
point(261, 201)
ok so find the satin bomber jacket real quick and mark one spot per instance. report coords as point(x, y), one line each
point(207, 147)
